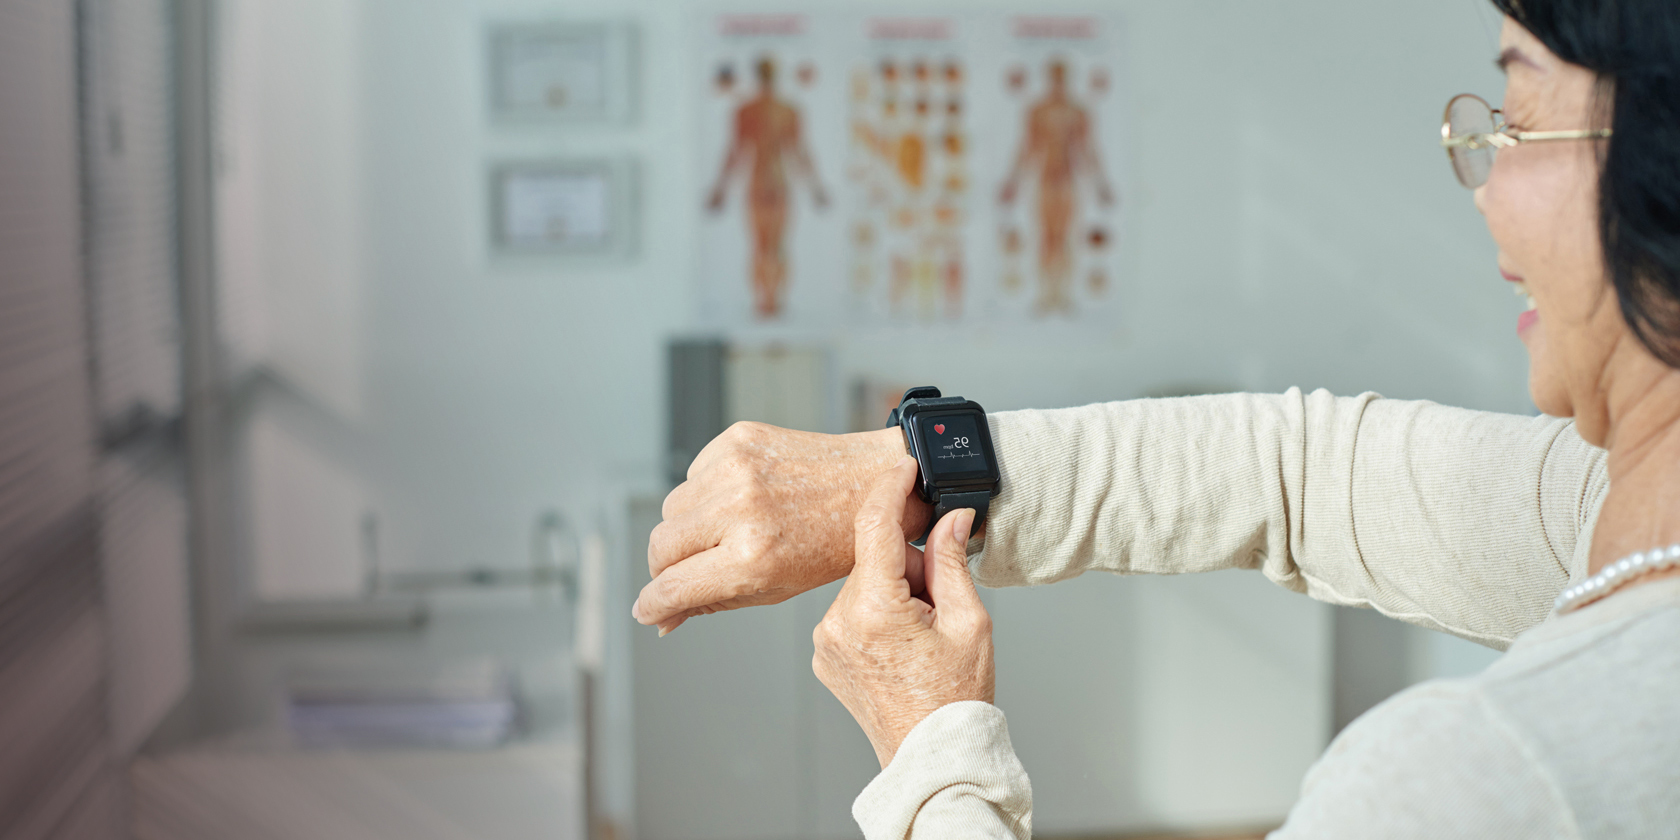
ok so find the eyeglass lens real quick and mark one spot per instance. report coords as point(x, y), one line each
point(1469, 115)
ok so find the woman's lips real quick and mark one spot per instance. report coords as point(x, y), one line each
point(1531, 316)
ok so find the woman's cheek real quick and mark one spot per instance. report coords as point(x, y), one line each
point(1501, 202)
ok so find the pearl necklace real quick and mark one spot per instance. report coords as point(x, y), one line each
point(1612, 577)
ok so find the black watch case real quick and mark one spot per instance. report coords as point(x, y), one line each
point(951, 442)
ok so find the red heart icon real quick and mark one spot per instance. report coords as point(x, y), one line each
point(939, 428)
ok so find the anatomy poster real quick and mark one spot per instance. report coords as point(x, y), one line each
point(867, 170)
point(1058, 206)
point(907, 172)
point(770, 230)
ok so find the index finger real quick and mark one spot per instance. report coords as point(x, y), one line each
point(676, 540)
point(708, 579)
point(879, 527)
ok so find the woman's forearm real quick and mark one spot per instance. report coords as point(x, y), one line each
point(1463, 521)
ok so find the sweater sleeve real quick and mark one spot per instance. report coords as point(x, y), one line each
point(955, 776)
point(1462, 521)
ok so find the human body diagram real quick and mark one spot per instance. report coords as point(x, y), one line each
point(766, 142)
point(907, 126)
point(1059, 151)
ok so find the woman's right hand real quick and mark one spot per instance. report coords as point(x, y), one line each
point(766, 513)
point(893, 658)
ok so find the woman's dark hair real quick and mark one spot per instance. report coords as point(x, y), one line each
point(1635, 45)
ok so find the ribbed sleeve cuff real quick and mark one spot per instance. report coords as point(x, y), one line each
point(1002, 518)
point(962, 750)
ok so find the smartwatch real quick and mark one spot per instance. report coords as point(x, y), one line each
point(952, 444)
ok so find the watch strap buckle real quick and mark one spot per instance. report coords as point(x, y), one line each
point(980, 500)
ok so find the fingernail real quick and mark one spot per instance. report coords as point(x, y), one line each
point(663, 630)
point(960, 528)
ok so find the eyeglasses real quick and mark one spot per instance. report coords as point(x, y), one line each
point(1473, 130)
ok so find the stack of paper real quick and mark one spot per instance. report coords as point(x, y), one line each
point(464, 706)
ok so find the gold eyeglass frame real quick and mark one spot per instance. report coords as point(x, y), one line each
point(1502, 137)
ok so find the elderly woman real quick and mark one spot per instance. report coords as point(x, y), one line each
point(1556, 539)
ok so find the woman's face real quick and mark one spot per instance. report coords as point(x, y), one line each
point(1541, 205)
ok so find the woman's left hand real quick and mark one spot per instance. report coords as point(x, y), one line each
point(894, 658)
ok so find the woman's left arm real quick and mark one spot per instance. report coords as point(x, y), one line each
point(915, 669)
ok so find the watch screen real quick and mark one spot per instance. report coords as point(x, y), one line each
point(952, 443)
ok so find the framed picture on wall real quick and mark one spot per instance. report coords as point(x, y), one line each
point(564, 207)
point(561, 71)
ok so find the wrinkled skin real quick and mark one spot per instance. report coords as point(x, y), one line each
point(893, 658)
point(766, 513)
point(1541, 206)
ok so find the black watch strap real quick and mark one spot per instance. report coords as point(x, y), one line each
point(980, 500)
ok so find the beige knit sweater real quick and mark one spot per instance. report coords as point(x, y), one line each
point(1461, 521)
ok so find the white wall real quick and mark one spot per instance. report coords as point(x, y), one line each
point(1296, 225)
point(290, 159)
